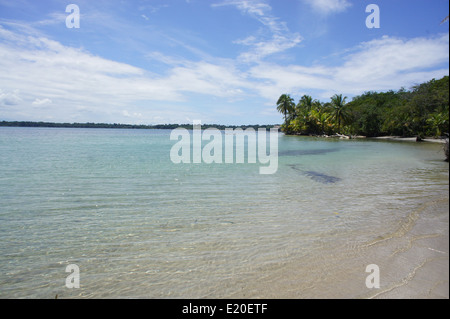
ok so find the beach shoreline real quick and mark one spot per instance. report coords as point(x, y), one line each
point(378, 138)
point(413, 261)
point(418, 264)
point(409, 139)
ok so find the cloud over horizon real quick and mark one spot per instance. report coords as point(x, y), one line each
point(42, 78)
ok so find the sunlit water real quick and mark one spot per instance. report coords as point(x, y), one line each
point(139, 226)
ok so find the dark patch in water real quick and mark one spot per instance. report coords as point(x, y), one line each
point(322, 178)
point(307, 152)
point(317, 177)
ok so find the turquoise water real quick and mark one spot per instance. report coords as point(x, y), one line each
point(139, 226)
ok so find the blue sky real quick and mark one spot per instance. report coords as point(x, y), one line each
point(218, 61)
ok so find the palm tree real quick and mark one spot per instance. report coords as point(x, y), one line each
point(303, 110)
point(305, 104)
point(339, 111)
point(318, 106)
point(436, 122)
point(321, 117)
point(285, 105)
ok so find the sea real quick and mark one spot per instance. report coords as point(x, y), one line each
point(137, 225)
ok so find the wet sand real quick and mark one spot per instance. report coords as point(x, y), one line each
point(413, 262)
point(418, 264)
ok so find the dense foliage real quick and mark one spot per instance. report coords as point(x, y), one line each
point(421, 111)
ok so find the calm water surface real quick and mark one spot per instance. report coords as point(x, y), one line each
point(139, 226)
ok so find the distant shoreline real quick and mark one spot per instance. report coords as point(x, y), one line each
point(125, 126)
point(204, 127)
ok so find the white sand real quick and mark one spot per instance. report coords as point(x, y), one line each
point(409, 139)
point(413, 263)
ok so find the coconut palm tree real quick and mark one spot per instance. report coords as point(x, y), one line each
point(303, 110)
point(305, 104)
point(339, 111)
point(285, 105)
point(436, 122)
point(321, 118)
point(318, 106)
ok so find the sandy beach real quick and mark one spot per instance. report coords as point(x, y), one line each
point(417, 260)
point(408, 139)
point(413, 262)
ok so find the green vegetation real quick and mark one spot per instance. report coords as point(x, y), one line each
point(285, 105)
point(124, 126)
point(422, 111)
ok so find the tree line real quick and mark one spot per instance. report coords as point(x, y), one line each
point(421, 111)
point(125, 126)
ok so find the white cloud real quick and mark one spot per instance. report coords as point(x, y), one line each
point(78, 83)
point(293, 79)
point(9, 98)
point(327, 7)
point(253, 7)
point(261, 49)
point(281, 38)
point(381, 64)
point(132, 115)
point(53, 19)
point(73, 84)
point(389, 57)
point(39, 102)
point(219, 80)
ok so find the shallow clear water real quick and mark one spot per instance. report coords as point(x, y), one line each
point(137, 225)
